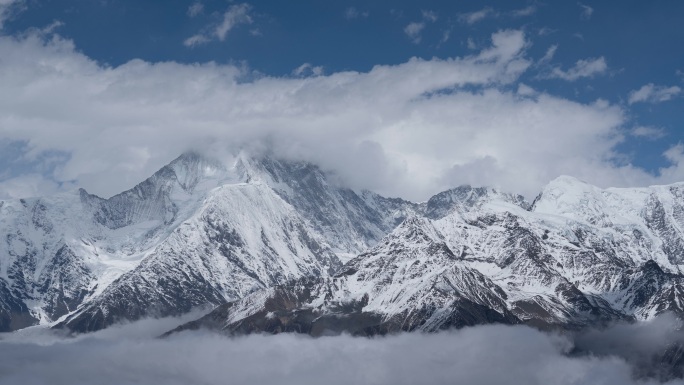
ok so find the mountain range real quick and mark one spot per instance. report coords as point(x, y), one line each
point(275, 245)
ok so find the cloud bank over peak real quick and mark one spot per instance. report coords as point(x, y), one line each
point(407, 130)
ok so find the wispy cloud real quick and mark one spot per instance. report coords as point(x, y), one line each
point(414, 29)
point(195, 40)
point(234, 16)
point(584, 68)
point(8, 8)
point(429, 16)
point(651, 133)
point(652, 93)
point(587, 11)
point(477, 16)
point(195, 9)
point(352, 13)
point(527, 11)
point(548, 56)
point(308, 69)
point(545, 31)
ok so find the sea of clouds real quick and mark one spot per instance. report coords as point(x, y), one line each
point(495, 354)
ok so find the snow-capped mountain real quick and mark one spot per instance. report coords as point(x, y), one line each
point(274, 245)
point(579, 256)
point(197, 233)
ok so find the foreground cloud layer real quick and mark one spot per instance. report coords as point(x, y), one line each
point(407, 130)
point(479, 355)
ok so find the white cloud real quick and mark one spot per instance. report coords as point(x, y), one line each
point(646, 132)
point(195, 9)
point(8, 8)
point(420, 127)
point(525, 90)
point(413, 30)
point(519, 355)
point(584, 68)
point(477, 16)
point(28, 186)
point(527, 11)
point(446, 34)
point(470, 43)
point(653, 94)
point(195, 40)
point(548, 56)
point(587, 11)
point(545, 31)
point(353, 13)
point(234, 16)
point(429, 16)
point(307, 68)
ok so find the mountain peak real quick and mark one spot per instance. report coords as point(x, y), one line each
point(465, 198)
point(191, 168)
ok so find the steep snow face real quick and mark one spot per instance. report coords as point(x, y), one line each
point(465, 199)
point(575, 257)
point(40, 275)
point(580, 256)
point(350, 222)
point(244, 238)
point(56, 251)
point(409, 281)
point(655, 214)
point(413, 277)
point(62, 250)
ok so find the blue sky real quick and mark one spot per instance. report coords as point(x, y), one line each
point(593, 56)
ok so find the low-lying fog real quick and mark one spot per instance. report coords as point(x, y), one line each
point(497, 354)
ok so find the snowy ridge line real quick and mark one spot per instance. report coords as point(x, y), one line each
point(202, 232)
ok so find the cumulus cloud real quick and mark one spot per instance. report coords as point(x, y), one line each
point(584, 68)
point(234, 16)
point(480, 355)
point(651, 93)
point(420, 127)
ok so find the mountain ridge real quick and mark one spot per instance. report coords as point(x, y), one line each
point(200, 232)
